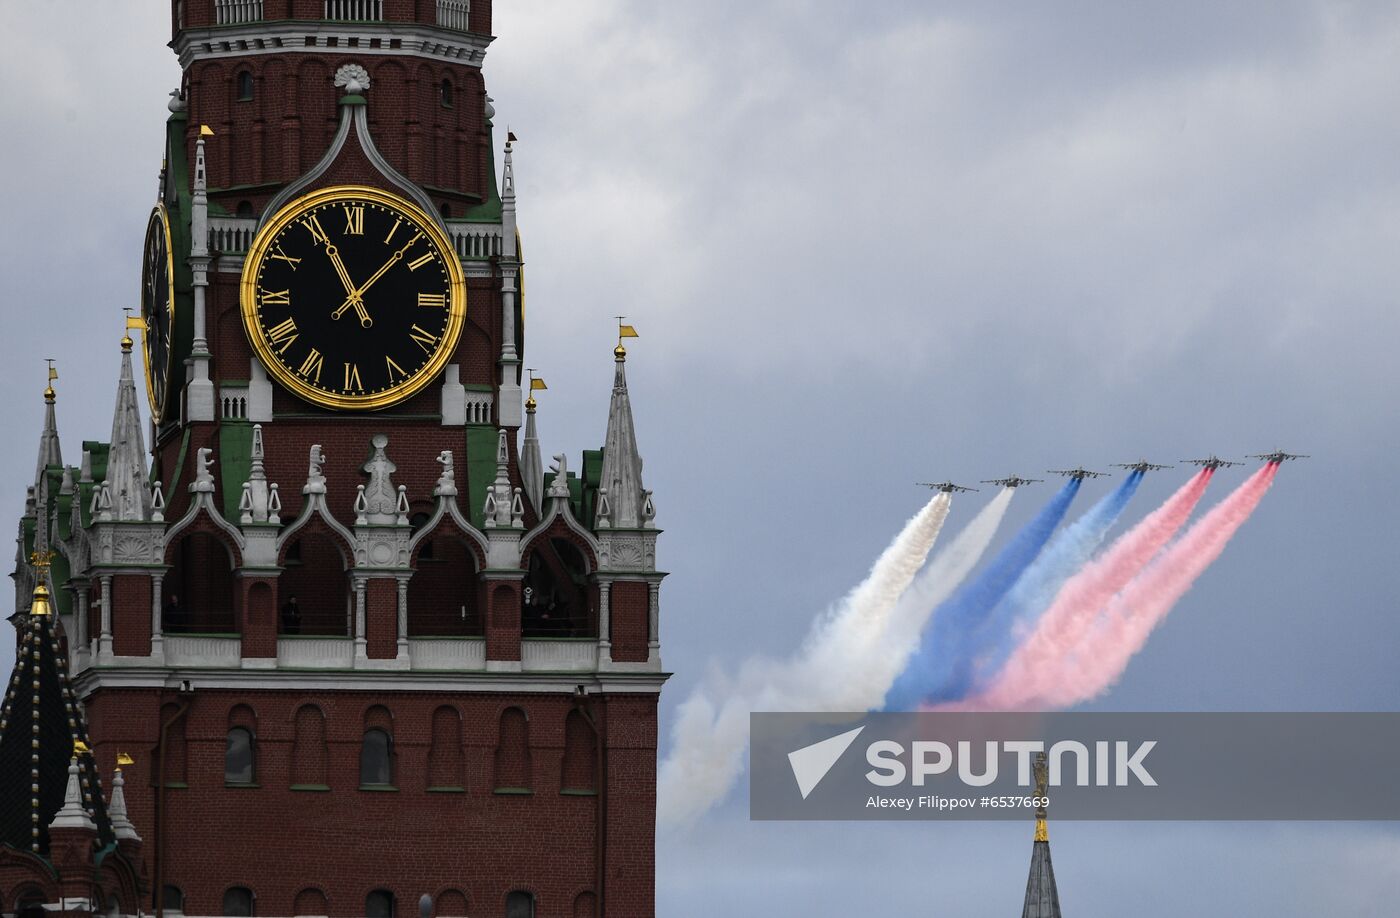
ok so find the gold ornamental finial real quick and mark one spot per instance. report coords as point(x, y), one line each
point(80, 748)
point(40, 561)
point(124, 759)
point(1042, 834)
point(49, 394)
point(536, 383)
point(623, 331)
point(126, 333)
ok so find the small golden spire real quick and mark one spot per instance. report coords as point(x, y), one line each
point(80, 748)
point(1042, 834)
point(127, 343)
point(536, 383)
point(49, 394)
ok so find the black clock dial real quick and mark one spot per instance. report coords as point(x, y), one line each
point(157, 308)
point(353, 298)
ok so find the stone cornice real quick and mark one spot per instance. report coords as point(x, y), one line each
point(388, 39)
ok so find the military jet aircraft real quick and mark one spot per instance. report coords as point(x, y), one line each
point(1278, 456)
point(1142, 465)
point(1212, 463)
point(1015, 481)
point(1078, 473)
point(947, 487)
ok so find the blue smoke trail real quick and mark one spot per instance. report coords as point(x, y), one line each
point(1037, 586)
point(941, 661)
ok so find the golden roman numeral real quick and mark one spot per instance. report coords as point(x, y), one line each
point(313, 226)
point(424, 339)
point(283, 333)
point(392, 230)
point(283, 256)
point(432, 300)
point(275, 297)
point(352, 378)
point(310, 369)
point(355, 220)
point(394, 368)
point(420, 261)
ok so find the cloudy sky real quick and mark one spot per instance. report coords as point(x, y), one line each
point(866, 244)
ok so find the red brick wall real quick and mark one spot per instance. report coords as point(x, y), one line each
point(346, 842)
point(259, 617)
point(131, 615)
point(630, 610)
point(382, 618)
point(503, 620)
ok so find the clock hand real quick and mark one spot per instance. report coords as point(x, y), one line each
point(355, 299)
point(356, 295)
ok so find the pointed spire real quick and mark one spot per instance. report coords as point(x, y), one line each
point(531, 461)
point(72, 815)
point(255, 502)
point(122, 827)
point(500, 496)
point(1042, 896)
point(629, 504)
point(126, 463)
point(49, 452)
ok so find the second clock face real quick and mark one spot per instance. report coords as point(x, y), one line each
point(352, 297)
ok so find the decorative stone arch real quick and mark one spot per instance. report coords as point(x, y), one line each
point(316, 556)
point(198, 591)
point(444, 593)
point(559, 594)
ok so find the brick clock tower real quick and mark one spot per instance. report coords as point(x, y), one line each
point(350, 638)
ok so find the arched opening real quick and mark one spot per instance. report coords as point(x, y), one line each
point(29, 902)
point(445, 751)
point(555, 598)
point(442, 594)
point(245, 85)
point(585, 905)
point(446, 210)
point(580, 755)
point(450, 903)
point(309, 751)
point(238, 901)
point(172, 899)
point(310, 903)
point(379, 904)
point(377, 749)
point(512, 763)
point(314, 588)
point(445, 93)
point(245, 210)
point(199, 589)
point(238, 757)
point(520, 904)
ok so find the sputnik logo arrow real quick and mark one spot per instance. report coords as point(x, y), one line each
point(811, 763)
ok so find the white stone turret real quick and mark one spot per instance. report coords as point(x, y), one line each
point(122, 827)
point(49, 452)
point(199, 397)
point(623, 502)
point(126, 462)
point(73, 816)
point(503, 508)
point(532, 462)
point(508, 401)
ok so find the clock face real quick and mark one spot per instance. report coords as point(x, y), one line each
point(353, 297)
point(158, 308)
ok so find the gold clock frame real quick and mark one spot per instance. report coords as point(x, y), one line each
point(248, 305)
point(158, 409)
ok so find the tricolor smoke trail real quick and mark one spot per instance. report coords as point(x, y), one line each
point(941, 662)
point(1034, 666)
point(712, 726)
point(1131, 616)
point(1035, 589)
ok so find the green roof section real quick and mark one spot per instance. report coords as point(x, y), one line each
point(592, 477)
point(489, 210)
point(235, 463)
point(481, 470)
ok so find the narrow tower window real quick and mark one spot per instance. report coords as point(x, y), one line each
point(238, 901)
point(245, 85)
point(445, 94)
point(238, 758)
point(379, 904)
point(520, 904)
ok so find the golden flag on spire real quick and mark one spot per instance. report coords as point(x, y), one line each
point(206, 131)
point(536, 383)
point(53, 371)
point(626, 331)
point(135, 322)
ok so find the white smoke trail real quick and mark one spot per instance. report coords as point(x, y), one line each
point(712, 726)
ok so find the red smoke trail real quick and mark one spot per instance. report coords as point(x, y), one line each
point(1033, 668)
point(1130, 617)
